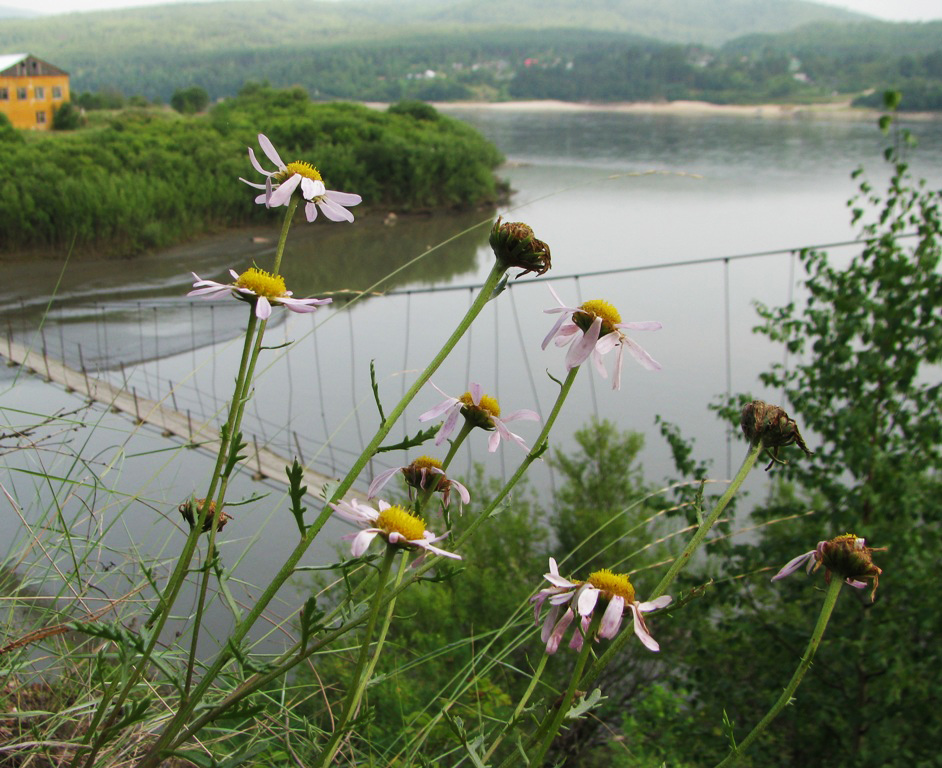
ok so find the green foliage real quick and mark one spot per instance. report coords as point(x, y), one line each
point(106, 98)
point(189, 101)
point(66, 118)
point(600, 506)
point(866, 393)
point(145, 178)
point(7, 132)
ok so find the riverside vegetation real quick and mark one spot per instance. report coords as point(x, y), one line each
point(441, 663)
point(146, 178)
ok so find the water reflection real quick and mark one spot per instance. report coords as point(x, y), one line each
point(103, 314)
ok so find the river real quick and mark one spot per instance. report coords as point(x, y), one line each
point(634, 197)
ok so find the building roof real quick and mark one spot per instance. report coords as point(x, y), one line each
point(8, 60)
point(27, 65)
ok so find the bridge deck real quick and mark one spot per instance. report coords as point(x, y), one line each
point(263, 462)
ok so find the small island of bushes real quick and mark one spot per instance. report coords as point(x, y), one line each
point(145, 178)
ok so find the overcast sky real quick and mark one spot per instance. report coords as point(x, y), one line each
point(893, 10)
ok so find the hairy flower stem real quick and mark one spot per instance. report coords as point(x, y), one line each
point(556, 718)
point(360, 676)
point(166, 601)
point(239, 407)
point(681, 561)
point(456, 443)
point(539, 448)
point(830, 600)
point(242, 628)
point(283, 237)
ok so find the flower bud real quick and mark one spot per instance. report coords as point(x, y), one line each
point(515, 246)
point(190, 509)
point(770, 424)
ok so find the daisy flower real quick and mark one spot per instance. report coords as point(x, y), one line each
point(281, 183)
point(571, 598)
point(424, 473)
point(482, 411)
point(848, 556)
point(595, 328)
point(397, 525)
point(255, 285)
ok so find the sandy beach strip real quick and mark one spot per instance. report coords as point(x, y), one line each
point(832, 110)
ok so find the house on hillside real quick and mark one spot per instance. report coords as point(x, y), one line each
point(31, 90)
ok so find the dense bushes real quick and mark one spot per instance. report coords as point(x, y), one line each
point(146, 178)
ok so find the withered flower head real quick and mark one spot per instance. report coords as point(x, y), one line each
point(770, 424)
point(847, 555)
point(515, 246)
point(190, 509)
point(423, 474)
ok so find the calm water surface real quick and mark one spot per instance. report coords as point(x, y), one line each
point(607, 191)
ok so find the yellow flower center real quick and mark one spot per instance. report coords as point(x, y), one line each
point(262, 283)
point(298, 167)
point(426, 462)
point(482, 415)
point(399, 520)
point(613, 584)
point(593, 309)
point(418, 476)
point(846, 537)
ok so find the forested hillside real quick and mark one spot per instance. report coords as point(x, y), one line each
point(625, 50)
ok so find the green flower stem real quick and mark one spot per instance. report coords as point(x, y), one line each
point(360, 676)
point(556, 719)
point(830, 600)
point(387, 620)
point(161, 613)
point(239, 408)
point(682, 560)
point(539, 448)
point(534, 680)
point(242, 628)
point(283, 238)
point(456, 443)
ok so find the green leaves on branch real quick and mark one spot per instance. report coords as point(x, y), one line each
point(420, 437)
point(297, 492)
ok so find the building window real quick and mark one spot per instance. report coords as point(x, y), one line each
point(40, 117)
point(57, 91)
point(4, 94)
point(39, 92)
point(21, 94)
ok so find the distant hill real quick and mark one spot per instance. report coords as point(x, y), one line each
point(438, 50)
point(292, 23)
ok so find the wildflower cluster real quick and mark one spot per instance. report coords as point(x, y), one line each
point(586, 611)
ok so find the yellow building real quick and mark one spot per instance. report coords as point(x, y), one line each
point(31, 90)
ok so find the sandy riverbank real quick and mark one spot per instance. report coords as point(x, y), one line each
point(838, 110)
